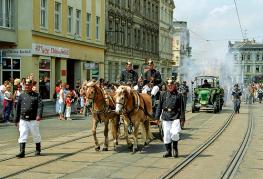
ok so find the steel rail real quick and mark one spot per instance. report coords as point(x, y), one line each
point(236, 160)
point(176, 169)
point(54, 145)
point(56, 159)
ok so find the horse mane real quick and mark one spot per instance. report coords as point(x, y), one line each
point(122, 89)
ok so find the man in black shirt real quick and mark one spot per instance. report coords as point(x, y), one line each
point(28, 114)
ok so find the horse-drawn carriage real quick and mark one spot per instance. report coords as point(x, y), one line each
point(110, 106)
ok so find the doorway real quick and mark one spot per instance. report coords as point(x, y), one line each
point(70, 73)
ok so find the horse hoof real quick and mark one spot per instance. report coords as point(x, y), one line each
point(105, 149)
point(130, 146)
point(97, 148)
point(134, 150)
point(117, 143)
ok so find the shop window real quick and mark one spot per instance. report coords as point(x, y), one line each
point(44, 78)
point(11, 68)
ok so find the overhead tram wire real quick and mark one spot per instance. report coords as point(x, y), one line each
point(240, 26)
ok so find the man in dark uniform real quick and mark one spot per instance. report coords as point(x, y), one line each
point(129, 76)
point(28, 114)
point(236, 98)
point(170, 109)
point(152, 74)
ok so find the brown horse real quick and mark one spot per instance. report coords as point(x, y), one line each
point(136, 108)
point(102, 105)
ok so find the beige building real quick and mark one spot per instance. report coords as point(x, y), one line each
point(166, 38)
point(57, 40)
point(248, 60)
point(132, 33)
point(181, 48)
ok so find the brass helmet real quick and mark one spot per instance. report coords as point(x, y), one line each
point(128, 62)
point(150, 62)
point(170, 81)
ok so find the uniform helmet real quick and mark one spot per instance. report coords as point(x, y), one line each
point(150, 62)
point(170, 81)
point(129, 62)
point(29, 81)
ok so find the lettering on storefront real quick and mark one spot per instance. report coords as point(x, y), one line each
point(17, 52)
point(46, 50)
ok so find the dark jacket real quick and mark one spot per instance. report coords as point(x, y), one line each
point(152, 74)
point(170, 104)
point(236, 94)
point(129, 76)
point(29, 106)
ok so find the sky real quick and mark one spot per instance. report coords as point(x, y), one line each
point(212, 23)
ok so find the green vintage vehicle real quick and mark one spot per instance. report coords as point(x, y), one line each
point(207, 94)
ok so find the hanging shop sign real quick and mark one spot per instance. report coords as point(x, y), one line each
point(17, 52)
point(90, 66)
point(46, 50)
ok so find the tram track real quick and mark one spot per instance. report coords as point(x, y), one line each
point(233, 165)
point(12, 174)
point(180, 166)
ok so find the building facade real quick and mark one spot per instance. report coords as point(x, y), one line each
point(248, 59)
point(166, 38)
point(8, 37)
point(181, 48)
point(58, 40)
point(132, 33)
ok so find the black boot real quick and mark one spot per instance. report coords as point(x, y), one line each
point(175, 149)
point(168, 150)
point(38, 149)
point(22, 150)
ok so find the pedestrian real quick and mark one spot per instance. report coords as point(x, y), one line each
point(260, 93)
point(2, 92)
point(170, 108)
point(61, 102)
point(68, 102)
point(8, 104)
point(236, 98)
point(56, 94)
point(28, 114)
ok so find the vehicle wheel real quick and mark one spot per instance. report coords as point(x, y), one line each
point(215, 107)
point(193, 109)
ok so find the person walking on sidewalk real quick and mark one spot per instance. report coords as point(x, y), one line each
point(28, 114)
point(170, 108)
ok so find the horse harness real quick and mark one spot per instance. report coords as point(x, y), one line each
point(106, 108)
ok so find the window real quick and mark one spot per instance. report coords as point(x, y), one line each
point(44, 78)
point(70, 19)
point(257, 69)
point(258, 57)
point(248, 68)
point(43, 14)
point(11, 68)
point(57, 16)
point(88, 20)
point(6, 13)
point(97, 28)
point(248, 57)
point(78, 21)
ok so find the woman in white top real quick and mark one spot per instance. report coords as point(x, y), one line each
point(61, 100)
point(8, 104)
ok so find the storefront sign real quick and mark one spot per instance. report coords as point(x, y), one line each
point(45, 50)
point(17, 52)
point(90, 66)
